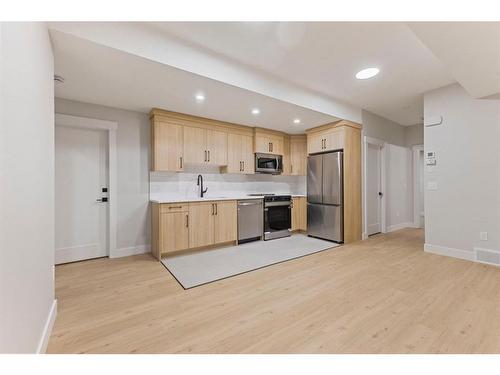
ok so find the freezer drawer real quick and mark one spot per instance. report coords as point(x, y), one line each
point(325, 221)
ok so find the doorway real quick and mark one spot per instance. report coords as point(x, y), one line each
point(418, 187)
point(85, 178)
point(374, 185)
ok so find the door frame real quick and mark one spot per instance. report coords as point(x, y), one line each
point(111, 127)
point(380, 143)
point(416, 182)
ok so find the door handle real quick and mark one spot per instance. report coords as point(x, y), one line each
point(102, 200)
point(380, 194)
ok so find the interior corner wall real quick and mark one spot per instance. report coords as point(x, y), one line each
point(381, 128)
point(27, 187)
point(414, 135)
point(132, 148)
point(467, 172)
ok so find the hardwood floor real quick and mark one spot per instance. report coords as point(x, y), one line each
point(382, 295)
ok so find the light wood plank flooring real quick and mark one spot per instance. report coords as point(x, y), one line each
point(382, 295)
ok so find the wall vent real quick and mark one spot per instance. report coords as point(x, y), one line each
point(487, 256)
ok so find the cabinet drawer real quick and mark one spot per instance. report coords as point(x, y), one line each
point(173, 207)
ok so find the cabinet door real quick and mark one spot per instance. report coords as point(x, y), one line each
point(314, 143)
point(277, 145)
point(262, 144)
point(201, 224)
point(334, 139)
point(225, 221)
point(167, 152)
point(296, 213)
point(234, 152)
point(174, 232)
point(287, 162)
point(298, 157)
point(247, 155)
point(303, 213)
point(195, 150)
point(216, 147)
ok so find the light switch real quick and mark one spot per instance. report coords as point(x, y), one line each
point(432, 185)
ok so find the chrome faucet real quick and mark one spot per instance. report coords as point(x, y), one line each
point(200, 179)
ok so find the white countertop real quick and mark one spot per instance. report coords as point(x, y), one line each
point(229, 197)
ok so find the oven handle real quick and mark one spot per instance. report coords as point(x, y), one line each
point(277, 204)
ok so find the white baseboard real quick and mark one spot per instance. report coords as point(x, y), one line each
point(74, 253)
point(47, 329)
point(364, 236)
point(127, 251)
point(449, 251)
point(392, 228)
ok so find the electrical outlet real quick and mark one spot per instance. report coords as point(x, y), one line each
point(483, 236)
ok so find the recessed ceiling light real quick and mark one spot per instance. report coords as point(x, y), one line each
point(367, 73)
point(255, 111)
point(199, 97)
point(296, 121)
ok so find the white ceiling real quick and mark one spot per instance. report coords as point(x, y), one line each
point(98, 74)
point(324, 56)
point(470, 50)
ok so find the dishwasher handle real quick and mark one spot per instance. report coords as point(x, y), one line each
point(249, 204)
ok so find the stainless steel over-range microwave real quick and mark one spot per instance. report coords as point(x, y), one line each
point(268, 163)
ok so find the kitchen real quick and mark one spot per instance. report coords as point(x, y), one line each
point(264, 185)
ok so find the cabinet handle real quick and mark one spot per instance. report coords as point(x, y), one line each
point(208, 155)
point(172, 207)
point(187, 221)
point(272, 146)
point(205, 155)
point(291, 168)
point(243, 166)
point(213, 208)
point(216, 209)
point(180, 162)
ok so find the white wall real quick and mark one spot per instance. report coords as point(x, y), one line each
point(381, 128)
point(132, 147)
point(467, 200)
point(27, 187)
point(414, 135)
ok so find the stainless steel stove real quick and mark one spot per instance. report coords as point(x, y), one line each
point(277, 216)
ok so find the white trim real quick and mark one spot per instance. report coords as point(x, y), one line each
point(84, 122)
point(416, 183)
point(47, 329)
point(392, 228)
point(449, 251)
point(383, 202)
point(476, 249)
point(80, 252)
point(111, 127)
point(127, 251)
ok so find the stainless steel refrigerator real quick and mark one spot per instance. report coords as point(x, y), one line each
point(325, 218)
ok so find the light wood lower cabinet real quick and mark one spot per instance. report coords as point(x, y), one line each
point(202, 224)
point(299, 214)
point(181, 226)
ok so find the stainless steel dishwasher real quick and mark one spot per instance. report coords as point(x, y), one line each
point(250, 220)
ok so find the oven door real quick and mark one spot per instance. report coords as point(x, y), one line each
point(277, 220)
point(267, 163)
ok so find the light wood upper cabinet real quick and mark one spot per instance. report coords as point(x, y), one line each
point(167, 147)
point(325, 140)
point(204, 146)
point(225, 225)
point(216, 147)
point(268, 141)
point(201, 222)
point(195, 140)
point(298, 155)
point(240, 157)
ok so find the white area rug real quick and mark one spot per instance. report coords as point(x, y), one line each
point(196, 269)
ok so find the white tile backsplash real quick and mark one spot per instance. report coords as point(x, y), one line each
point(183, 185)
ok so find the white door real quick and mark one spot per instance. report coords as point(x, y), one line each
point(81, 172)
point(373, 189)
point(421, 188)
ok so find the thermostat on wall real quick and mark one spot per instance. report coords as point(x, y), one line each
point(430, 158)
